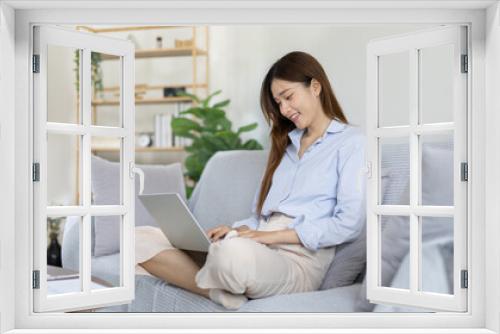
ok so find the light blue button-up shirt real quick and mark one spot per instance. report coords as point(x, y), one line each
point(324, 190)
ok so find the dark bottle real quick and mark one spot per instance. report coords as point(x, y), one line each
point(54, 251)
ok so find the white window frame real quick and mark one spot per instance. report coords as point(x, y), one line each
point(411, 43)
point(483, 314)
point(85, 298)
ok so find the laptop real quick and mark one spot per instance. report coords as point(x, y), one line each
point(176, 221)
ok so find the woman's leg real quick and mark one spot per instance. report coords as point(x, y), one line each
point(177, 268)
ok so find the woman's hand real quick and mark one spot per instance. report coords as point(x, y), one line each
point(220, 231)
point(264, 237)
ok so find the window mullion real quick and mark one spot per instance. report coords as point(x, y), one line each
point(414, 169)
point(85, 236)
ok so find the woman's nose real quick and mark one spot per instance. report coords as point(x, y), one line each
point(285, 108)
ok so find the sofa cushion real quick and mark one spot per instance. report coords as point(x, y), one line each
point(106, 190)
point(228, 183)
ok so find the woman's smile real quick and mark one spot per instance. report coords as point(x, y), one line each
point(295, 117)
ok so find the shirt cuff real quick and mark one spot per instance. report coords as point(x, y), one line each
point(309, 234)
point(251, 222)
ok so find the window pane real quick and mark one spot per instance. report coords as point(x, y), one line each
point(394, 89)
point(63, 170)
point(436, 84)
point(437, 169)
point(437, 254)
point(106, 176)
point(395, 247)
point(107, 232)
point(106, 89)
point(63, 71)
point(394, 171)
point(63, 280)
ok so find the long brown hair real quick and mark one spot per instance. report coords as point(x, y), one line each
point(294, 67)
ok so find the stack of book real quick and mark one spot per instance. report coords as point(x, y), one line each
point(163, 136)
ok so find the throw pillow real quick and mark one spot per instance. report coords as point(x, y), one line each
point(106, 191)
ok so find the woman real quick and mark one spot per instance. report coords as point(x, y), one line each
point(311, 199)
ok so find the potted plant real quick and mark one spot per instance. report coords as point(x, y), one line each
point(210, 131)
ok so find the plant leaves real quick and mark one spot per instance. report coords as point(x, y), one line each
point(184, 125)
point(207, 100)
point(225, 124)
point(230, 138)
point(215, 143)
point(221, 104)
point(194, 166)
point(198, 112)
point(252, 144)
point(247, 128)
point(192, 96)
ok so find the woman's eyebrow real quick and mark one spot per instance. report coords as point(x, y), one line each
point(282, 92)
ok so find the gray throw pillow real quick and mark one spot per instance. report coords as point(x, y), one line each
point(106, 191)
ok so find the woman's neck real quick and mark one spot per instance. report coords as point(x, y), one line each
point(318, 127)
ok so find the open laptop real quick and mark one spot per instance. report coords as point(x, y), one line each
point(176, 221)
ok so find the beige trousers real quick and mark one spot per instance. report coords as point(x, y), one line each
point(244, 266)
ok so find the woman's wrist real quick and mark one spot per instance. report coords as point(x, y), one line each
point(288, 236)
point(242, 228)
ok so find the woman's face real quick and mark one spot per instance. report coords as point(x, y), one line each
point(297, 102)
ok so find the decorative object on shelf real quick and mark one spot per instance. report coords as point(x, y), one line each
point(159, 42)
point(173, 91)
point(144, 139)
point(96, 71)
point(209, 131)
point(54, 248)
point(184, 43)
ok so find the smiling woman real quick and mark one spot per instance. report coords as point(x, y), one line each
point(288, 244)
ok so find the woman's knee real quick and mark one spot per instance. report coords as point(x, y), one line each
point(233, 255)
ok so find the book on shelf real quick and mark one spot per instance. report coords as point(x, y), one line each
point(163, 131)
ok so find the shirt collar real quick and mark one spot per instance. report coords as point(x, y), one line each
point(296, 134)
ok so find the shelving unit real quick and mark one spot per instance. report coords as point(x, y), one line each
point(193, 51)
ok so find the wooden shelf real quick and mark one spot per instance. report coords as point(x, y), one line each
point(139, 87)
point(165, 100)
point(154, 53)
point(141, 149)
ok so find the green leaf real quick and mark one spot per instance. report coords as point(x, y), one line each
point(194, 166)
point(247, 128)
point(198, 112)
point(192, 96)
point(252, 144)
point(207, 100)
point(215, 143)
point(189, 191)
point(221, 104)
point(184, 125)
point(225, 124)
point(230, 138)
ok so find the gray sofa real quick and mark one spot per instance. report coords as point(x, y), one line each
point(225, 194)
